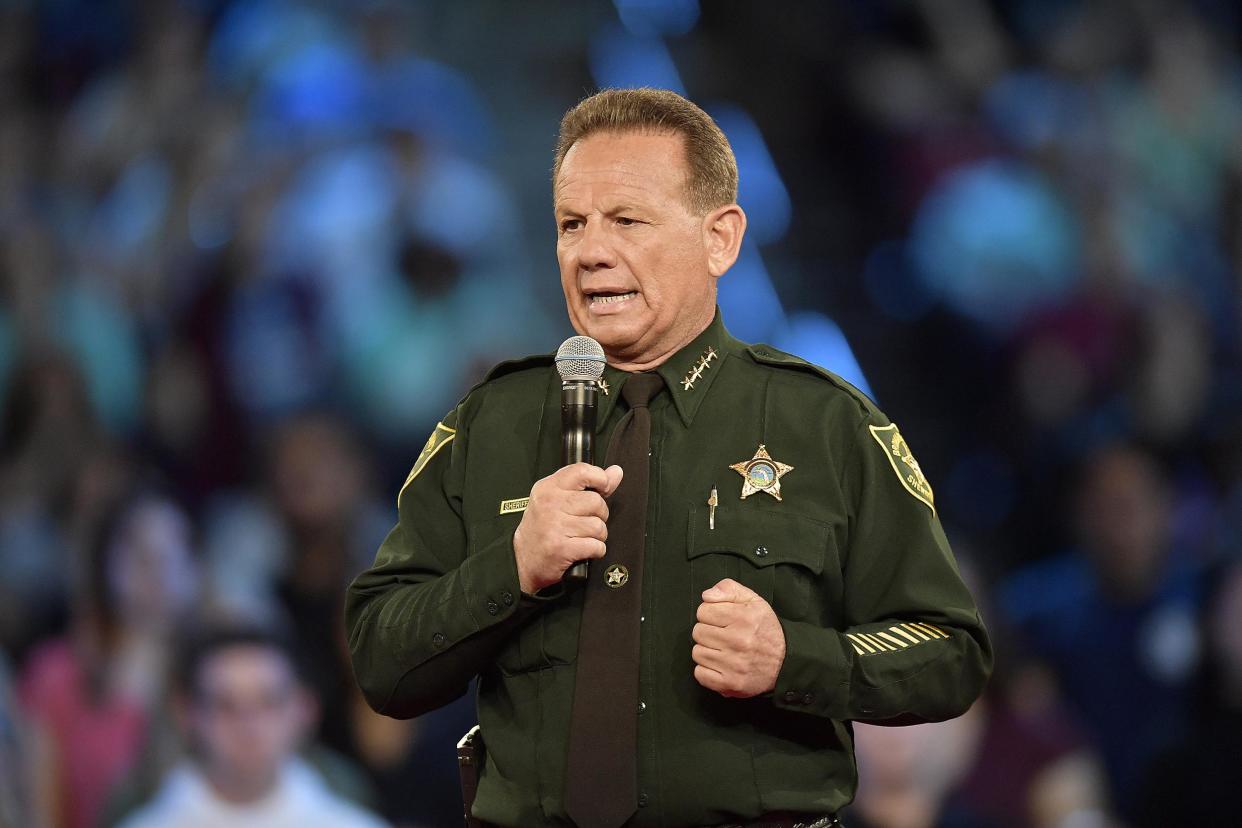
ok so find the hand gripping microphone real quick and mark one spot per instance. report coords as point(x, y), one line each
point(580, 362)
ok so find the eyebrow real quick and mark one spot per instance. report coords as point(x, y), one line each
point(562, 210)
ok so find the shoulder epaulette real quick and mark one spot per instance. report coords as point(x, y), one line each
point(506, 368)
point(768, 355)
point(512, 366)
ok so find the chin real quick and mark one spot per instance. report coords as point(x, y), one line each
point(614, 334)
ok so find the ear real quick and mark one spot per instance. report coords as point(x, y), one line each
point(723, 229)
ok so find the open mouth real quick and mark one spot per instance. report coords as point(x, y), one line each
point(612, 298)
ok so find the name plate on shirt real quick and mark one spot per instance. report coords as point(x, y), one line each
point(510, 506)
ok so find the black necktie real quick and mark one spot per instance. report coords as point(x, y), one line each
point(601, 780)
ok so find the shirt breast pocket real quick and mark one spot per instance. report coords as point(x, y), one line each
point(778, 554)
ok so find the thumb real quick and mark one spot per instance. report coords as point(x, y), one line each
point(614, 475)
point(729, 590)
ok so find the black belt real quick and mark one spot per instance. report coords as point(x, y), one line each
point(789, 821)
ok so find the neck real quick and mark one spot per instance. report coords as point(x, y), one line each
point(240, 789)
point(648, 361)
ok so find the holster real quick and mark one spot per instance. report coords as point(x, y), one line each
point(470, 756)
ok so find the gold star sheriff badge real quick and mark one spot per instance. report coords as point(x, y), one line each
point(761, 474)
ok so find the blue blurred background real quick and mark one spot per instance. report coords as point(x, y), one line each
point(252, 251)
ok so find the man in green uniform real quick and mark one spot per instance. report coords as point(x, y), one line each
point(791, 573)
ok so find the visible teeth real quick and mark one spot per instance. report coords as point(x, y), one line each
point(620, 297)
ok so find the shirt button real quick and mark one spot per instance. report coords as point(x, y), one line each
point(791, 697)
point(507, 597)
point(642, 707)
point(438, 640)
point(761, 551)
point(642, 800)
point(493, 607)
point(808, 698)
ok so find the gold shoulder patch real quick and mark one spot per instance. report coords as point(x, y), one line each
point(440, 437)
point(904, 464)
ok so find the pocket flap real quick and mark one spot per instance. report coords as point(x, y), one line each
point(762, 536)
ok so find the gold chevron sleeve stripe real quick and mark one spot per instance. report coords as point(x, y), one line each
point(914, 625)
point(933, 631)
point(879, 642)
point(892, 639)
point(859, 641)
point(896, 638)
point(875, 645)
point(913, 630)
point(898, 631)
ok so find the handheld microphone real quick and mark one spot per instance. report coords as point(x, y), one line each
point(580, 362)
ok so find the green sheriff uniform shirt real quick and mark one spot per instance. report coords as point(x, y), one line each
point(878, 625)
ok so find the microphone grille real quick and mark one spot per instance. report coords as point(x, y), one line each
point(580, 358)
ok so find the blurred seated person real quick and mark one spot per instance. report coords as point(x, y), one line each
point(289, 555)
point(90, 694)
point(1196, 781)
point(247, 712)
point(15, 788)
point(1116, 621)
point(1032, 766)
point(905, 774)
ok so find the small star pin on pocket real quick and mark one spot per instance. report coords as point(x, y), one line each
point(616, 576)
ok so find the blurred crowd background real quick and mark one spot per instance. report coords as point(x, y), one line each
point(252, 251)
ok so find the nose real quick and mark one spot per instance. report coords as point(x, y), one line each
point(596, 251)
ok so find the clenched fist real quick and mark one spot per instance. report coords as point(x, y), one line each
point(565, 522)
point(739, 645)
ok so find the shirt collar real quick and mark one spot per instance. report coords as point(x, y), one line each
point(689, 373)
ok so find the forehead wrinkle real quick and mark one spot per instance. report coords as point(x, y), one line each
point(612, 199)
point(626, 173)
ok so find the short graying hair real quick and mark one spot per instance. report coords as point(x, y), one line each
point(712, 178)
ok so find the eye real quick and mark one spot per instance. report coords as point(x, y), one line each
point(570, 224)
point(626, 221)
